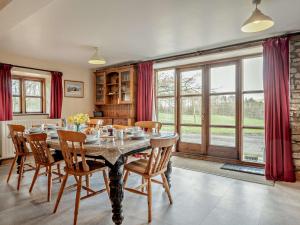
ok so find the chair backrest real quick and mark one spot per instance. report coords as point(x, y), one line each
point(16, 133)
point(120, 127)
point(71, 144)
point(95, 122)
point(148, 126)
point(39, 148)
point(160, 154)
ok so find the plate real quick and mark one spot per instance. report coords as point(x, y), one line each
point(138, 137)
point(91, 140)
point(35, 130)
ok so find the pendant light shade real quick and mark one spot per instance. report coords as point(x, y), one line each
point(97, 59)
point(257, 21)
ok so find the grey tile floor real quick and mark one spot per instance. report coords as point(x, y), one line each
point(199, 199)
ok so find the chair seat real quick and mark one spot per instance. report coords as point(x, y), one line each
point(93, 165)
point(138, 166)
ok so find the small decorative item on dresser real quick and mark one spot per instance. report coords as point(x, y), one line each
point(74, 89)
point(78, 119)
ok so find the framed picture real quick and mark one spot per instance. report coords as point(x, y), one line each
point(74, 89)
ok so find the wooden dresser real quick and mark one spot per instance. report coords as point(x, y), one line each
point(115, 94)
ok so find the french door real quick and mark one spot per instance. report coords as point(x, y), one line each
point(207, 109)
point(217, 108)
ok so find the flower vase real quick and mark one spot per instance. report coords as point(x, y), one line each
point(77, 126)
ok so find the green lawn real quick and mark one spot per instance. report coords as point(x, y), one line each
point(215, 120)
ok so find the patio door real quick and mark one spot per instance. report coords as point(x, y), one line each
point(208, 111)
point(222, 110)
point(190, 102)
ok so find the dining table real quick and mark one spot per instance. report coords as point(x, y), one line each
point(114, 153)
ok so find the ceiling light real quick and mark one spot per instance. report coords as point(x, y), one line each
point(97, 59)
point(257, 21)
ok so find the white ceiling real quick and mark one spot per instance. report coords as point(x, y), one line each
point(65, 30)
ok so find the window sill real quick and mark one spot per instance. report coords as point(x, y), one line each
point(31, 114)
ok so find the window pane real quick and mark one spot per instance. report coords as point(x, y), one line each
point(253, 74)
point(166, 110)
point(253, 145)
point(167, 128)
point(16, 87)
point(191, 82)
point(222, 109)
point(166, 83)
point(190, 134)
point(222, 136)
point(16, 105)
point(253, 109)
point(222, 79)
point(33, 105)
point(191, 110)
point(33, 88)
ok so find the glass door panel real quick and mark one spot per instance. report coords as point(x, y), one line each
point(190, 109)
point(222, 119)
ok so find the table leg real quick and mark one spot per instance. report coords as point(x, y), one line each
point(116, 191)
point(168, 173)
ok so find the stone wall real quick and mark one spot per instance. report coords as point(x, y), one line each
point(295, 99)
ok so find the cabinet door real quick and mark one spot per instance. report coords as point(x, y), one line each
point(100, 88)
point(126, 86)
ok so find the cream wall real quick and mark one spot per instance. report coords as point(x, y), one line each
point(70, 72)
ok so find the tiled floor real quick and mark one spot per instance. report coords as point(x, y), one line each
point(199, 199)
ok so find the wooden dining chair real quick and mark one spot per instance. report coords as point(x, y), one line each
point(16, 133)
point(43, 158)
point(149, 168)
point(95, 123)
point(120, 127)
point(74, 154)
point(148, 126)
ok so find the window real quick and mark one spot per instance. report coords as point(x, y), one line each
point(28, 95)
point(190, 105)
point(165, 101)
point(222, 105)
point(253, 145)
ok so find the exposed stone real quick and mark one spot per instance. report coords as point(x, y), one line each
point(296, 155)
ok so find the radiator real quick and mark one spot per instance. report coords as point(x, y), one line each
point(6, 145)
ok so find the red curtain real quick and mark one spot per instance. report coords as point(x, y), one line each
point(56, 95)
point(5, 93)
point(279, 164)
point(145, 91)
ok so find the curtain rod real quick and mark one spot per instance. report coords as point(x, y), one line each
point(219, 49)
point(31, 68)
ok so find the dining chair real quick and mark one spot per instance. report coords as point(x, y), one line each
point(16, 133)
point(148, 126)
point(149, 168)
point(95, 123)
point(77, 165)
point(43, 158)
point(120, 127)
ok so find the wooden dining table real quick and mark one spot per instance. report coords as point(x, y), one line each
point(114, 154)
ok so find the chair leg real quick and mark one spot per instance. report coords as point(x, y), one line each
point(77, 199)
point(87, 182)
point(61, 190)
point(11, 168)
point(167, 188)
point(21, 169)
point(49, 183)
point(149, 201)
point(125, 178)
point(37, 170)
point(143, 182)
point(58, 171)
point(106, 181)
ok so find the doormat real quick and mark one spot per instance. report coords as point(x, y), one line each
point(244, 169)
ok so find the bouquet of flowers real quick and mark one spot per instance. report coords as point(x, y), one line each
point(78, 119)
